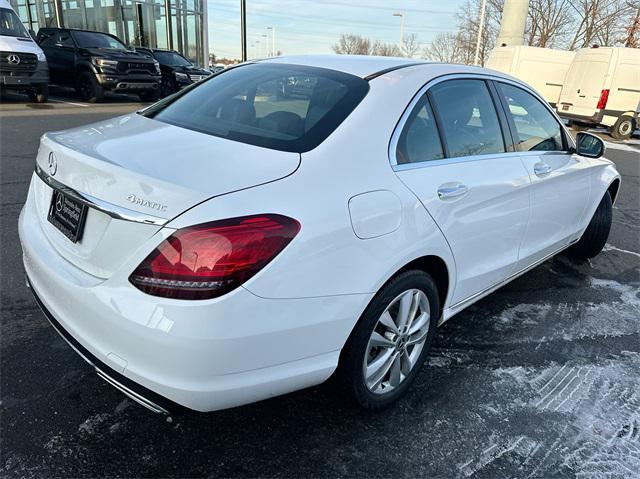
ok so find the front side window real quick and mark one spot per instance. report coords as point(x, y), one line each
point(468, 118)
point(277, 106)
point(10, 24)
point(536, 127)
point(419, 140)
point(96, 40)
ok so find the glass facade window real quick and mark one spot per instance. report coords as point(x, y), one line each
point(135, 22)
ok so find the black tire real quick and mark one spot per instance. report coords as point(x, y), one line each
point(89, 89)
point(168, 86)
point(595, 236)
point(350, 375)
point(149, 96)
point(41, 95)
point(624, 128)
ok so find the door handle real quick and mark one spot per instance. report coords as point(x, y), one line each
point(541, 169)
point(452, 191)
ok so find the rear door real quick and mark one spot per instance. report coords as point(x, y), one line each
point(560, 185)
point(585, 81)
point(452, 153)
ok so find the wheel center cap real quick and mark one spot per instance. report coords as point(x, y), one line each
point(402, 342)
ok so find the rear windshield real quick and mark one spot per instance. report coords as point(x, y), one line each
point(277, 106)
point(96, 40)
point(172, 59)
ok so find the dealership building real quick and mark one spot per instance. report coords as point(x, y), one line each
point(172, 24)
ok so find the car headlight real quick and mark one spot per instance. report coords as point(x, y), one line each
point(103, 63)
point(41, 56)
point(157, 65)
point(181, 76)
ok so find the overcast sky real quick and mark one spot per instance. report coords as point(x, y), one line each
point(313, 26)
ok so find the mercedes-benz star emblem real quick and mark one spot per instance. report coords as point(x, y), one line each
point(53, 164)
point(59, 204)
point(15, 59)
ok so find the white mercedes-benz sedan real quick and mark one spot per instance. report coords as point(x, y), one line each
point(295, 218)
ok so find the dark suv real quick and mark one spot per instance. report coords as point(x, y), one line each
point(95, 62)
point(177, 71)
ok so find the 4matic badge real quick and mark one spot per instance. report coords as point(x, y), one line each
point(136, 200)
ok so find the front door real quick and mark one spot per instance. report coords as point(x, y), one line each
point(560, 184)
point(460, 169)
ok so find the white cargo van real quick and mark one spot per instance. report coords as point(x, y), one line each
point(542, 68)
point(603, 88)
point(23, 66)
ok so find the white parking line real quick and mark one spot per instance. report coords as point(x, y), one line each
point(69, 102)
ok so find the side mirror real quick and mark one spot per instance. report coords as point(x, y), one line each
point(589, 145)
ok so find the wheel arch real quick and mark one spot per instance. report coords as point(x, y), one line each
point(437, 268)
point(613, 189)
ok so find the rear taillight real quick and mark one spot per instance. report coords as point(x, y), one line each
point(602, 102)
point(211, 259)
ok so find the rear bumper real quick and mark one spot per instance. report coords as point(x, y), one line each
point(202, 355)
point(136, 392)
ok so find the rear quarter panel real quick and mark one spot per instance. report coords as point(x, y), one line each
point(327, 258)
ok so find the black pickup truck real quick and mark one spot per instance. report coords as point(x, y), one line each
point(95, 62)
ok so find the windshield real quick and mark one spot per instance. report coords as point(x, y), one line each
point(96, 40)
point(171, 59)
point(10, 25)
point(278, 106)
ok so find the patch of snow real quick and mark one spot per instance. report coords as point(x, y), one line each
point(89, 426)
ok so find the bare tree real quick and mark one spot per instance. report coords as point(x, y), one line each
point(598, 21)
point(548, 23)
point(350, 44)
point(410, 45)
point(386, 49)
point(445, 47)
point(631, 39)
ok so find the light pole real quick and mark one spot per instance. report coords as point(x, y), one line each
point(257, 43)
point(243, 30)
point(266, 44)
point(483, 8)
point(273, 40)
point(401, 15)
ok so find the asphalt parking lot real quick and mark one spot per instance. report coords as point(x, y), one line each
point(538, 380)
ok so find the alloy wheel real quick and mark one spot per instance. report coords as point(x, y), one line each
point(396, 342)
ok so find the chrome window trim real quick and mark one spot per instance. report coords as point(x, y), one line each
point(395, 137)
point(114, 211)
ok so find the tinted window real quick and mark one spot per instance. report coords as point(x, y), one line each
point(96, 40)
point(536, 128)
point(47, 38)
point(10, 24)
point(468, 118)
point(65, 38)
point(171, 58)
point(419, 140)
point(277, 106)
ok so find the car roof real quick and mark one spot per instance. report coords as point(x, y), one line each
point(359, 65)
point(369, 67)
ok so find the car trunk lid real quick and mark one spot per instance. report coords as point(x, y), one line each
point(141, 173)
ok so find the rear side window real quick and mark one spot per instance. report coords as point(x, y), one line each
point(277, 106)
point(536, 127)
point(468, 118)
point(419, 140)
